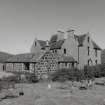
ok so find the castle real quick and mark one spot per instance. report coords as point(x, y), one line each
point(74, 51)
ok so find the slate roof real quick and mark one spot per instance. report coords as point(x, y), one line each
point(26, 57)
point(96, 46)
point(53, 38)
point(35, 57)
point(81, 39)
point(57, 45)
point(54, 44)
point(4, 56)
point(42, 43)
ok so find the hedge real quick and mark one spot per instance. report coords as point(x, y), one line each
point(89, 72)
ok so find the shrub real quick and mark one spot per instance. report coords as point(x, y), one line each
point(102, 70)
point(94, 71)
point(67, 74)
point(31, 78)
point(60, 75)
point(89, 72)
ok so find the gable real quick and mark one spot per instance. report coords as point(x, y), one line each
point(47, 62)
point(81, 40)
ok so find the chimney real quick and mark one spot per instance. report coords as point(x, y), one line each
point(47, 46)
point(60, 35)
point(70, 33)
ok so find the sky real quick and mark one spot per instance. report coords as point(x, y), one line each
point(21, 21)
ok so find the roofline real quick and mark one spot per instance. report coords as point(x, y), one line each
point(19, 62)
point(67, 61)
point(97, 48)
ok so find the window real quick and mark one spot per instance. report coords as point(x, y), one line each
point(88, 39)
point(72, 65)
point(88, 50)
point(26, 66)
point(35, 44)
point(4, 67)
point(88, 62)
point(55, 51)
point(96, 52)
point(64, 51)
point(96, 62)
point(65, 64)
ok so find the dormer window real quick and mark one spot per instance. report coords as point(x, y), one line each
point(64, 51)
point(35, 44)
point(88, 39)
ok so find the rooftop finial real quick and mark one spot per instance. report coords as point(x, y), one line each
point(47, 43)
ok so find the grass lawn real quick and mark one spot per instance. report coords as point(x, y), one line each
point(39, 94)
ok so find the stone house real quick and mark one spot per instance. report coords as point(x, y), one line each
point(45, 57)
point(81, 47)
point(41, 63)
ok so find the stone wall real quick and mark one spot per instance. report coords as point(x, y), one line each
point(46, 65)
point(20, 67)
point(1, 66)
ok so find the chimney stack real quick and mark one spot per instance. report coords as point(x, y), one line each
point(47, 45)
point(60, 35)
point(70, 33)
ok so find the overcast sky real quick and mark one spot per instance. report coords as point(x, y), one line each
point(23, 20)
